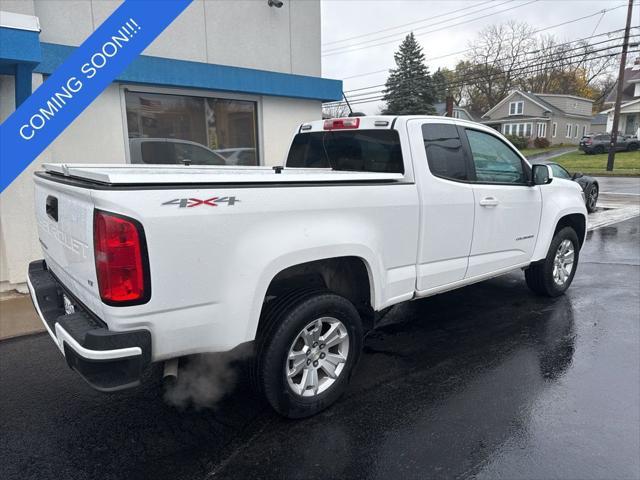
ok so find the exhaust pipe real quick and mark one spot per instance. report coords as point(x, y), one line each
point(170, 374)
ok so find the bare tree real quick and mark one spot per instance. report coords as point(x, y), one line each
point(495, 57)
point(569, 67)
point(504, 57)
point(335, 111)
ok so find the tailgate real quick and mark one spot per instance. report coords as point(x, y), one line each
point(64, 215)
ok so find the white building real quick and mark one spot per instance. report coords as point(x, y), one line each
point(629, 122)
point(234, 77)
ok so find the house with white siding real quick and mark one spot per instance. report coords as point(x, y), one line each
point(629, 123)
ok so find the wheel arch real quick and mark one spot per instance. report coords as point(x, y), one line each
point(353, 275)
point(576, 221)
point(574, 218)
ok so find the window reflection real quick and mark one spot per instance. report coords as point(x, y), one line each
point(177, 129)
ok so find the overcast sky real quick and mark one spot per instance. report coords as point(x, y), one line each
point(434, 24)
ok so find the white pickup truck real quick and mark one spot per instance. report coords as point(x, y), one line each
point(150, 263)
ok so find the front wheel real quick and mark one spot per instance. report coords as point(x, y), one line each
point(591, 195)
point(554, 274)
point(308, 346)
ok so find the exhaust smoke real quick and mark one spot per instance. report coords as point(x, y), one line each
point(204, 379)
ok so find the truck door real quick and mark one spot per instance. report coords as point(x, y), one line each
point(507, 209)
point(441, 168)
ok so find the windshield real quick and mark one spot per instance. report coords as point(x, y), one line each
point(354, 150)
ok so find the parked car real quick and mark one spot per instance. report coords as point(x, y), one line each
point(171, 151)
point(599, 143)
point(239, 156)
point(589, 185)
point(154, 264)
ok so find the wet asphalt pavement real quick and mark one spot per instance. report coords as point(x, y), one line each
point(488, 381)
point(620, 185)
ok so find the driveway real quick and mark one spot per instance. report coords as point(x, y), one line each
point(487, 382)
point(551, 154)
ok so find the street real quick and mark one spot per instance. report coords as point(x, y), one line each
point(619, 185)
point(488, 381)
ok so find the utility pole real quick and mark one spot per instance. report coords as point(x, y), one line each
point(616, 108)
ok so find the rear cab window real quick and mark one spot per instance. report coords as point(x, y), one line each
point(445, 154)
point(348, 150)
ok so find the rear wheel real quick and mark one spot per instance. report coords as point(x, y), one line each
point(309, 343)
point(553, 276)
point(632, 147)
point(591, 195)
point(598, 150)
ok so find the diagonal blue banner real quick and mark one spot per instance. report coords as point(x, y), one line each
point(79, 80)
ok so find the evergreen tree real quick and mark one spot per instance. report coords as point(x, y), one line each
point(439, 80)
point(409, 89)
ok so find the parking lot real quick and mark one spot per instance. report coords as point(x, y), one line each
point(488, 381)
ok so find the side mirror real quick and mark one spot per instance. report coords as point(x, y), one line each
point(542, 174)
point(577, 175)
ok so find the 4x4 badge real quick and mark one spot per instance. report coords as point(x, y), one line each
point(196, 202)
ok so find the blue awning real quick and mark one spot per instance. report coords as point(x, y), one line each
point(168, 72)
point(20, 52)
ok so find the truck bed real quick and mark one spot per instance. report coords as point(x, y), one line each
point(127, 174)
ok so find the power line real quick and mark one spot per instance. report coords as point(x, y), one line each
point(345, 49)
point(598, 23)
point(419, 28)
point(524, 54)
point(341, 50)
point(407, 24)
point(467, 81)
point(599, 12)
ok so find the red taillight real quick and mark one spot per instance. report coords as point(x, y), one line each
point(587, 141)
point(341, 123)
point(120, 266)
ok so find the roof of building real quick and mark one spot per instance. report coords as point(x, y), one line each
point(624, 105)
point(631, 77)
point(534, 97)
point(538, 99)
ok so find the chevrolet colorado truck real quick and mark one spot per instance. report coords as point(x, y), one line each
point(151, 263)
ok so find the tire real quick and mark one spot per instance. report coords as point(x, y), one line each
point(283, 324)
point(591, 197)
point(632, 147)
point(540, 276)
point(598, 150)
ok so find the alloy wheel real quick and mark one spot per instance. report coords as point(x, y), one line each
point(593, 197)
point(563, 262)
point(317, 356)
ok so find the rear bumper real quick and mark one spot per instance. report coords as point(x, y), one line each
point(107, 360)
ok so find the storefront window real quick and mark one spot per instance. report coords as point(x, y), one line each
point(176, 129)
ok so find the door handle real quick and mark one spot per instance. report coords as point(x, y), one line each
point(489, 202)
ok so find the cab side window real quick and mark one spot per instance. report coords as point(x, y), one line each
point(445, 155)
point(494, 161)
